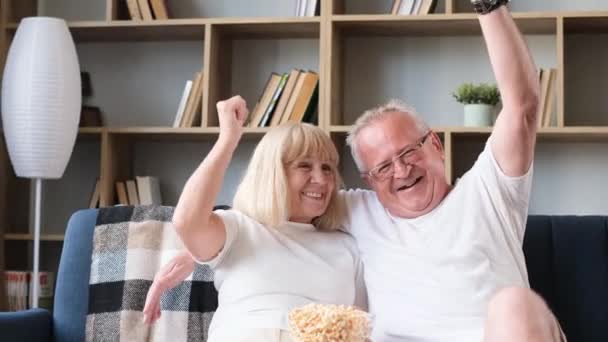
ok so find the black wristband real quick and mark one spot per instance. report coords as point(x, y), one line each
point(487, 6)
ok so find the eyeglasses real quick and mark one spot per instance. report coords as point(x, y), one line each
point(406, 157)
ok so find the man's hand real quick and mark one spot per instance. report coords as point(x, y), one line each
point(232, 114)
point(171, 274)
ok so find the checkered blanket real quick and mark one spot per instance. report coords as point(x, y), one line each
point(130, 244)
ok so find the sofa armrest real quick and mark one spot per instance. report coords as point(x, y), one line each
point(29, 325)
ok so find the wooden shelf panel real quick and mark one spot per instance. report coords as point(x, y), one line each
point(128, 30)
point(589, 24)
point(436, 24)
point(169, 133)
point(273, 29)
point(565, 134)
point(190, 29)
point(30, 237)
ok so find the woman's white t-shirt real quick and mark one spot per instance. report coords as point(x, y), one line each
point(262, 273)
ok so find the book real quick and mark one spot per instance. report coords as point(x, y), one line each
point(305, 97)
point(148, 189)
point(20, 285)
point(132, 192)
point(293, 98)
point(94, 201)
point(396, 5)
point(146, 11)
point(550, 98)
point(265, 99)
point(194, 102)
point(406, 7)
point(417, 6)
point(544, 86)
point(159, 7)
point(312, 110)
point(273, 102)
point(285, 95)
point(428, 6)
point(121, 193)
point(182, 104)
point(46, 280)
point(311, 8)
point(134, 11)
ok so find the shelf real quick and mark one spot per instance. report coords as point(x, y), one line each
point(30, 237)
point(169, 133)
point(264, 28)
point(437, 24)
point(189, 29)
point(565, 134)
point(127, 30)
point(589, 24)
point(307, 27)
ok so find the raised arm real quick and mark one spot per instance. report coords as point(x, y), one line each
point(514, 134)
point(202, 231)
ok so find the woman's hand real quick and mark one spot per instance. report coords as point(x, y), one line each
point(232, 114)
point(171, 274)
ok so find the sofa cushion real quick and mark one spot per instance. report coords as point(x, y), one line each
point(567, 260)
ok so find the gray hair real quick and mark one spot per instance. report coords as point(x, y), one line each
point(376, 114)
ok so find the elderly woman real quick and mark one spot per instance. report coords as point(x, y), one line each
point(279, 248)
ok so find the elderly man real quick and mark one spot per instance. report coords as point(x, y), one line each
point(445, 263)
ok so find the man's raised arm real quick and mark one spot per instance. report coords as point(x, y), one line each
point(514, 134)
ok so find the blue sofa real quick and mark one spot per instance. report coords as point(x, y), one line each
point(567, 259)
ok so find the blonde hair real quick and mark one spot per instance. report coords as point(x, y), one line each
point(263, 192)
point(376, 114)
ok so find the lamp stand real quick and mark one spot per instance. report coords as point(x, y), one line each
point(36, 277)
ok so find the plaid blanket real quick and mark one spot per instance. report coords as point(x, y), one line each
point(130, 244)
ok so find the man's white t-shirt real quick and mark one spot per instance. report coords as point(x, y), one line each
point(262, 273)
point(431, 278)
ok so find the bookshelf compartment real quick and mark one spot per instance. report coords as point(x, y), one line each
point(567, 173)
point(381, 7)
point(243, 60)
point(464, 6)
point(422, 71)
point(70, 10)
point(586, 77)
point(231, 8)
point(19, 255)
point(174, 162)
point(146, 81)
point(62, 197)
point(570, 178)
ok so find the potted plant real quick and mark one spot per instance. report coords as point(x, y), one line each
point(479, 101)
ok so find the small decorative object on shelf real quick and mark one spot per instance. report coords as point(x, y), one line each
point(90, 116)
point(479, 103)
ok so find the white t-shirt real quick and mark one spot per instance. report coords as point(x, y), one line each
point(431, 278)
point(262, 273)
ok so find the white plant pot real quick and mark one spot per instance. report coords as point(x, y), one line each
point(478, 115)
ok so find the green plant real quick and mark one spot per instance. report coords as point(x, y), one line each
point(483, 93)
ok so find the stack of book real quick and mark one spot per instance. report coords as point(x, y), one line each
point(143, 190)
point(19, 285)
point(189, 108)
point(413, 7)
point(307, 8)
point(548, 84)
point(291, 96)
point(147, 9)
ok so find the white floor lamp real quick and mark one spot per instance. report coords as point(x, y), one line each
point(41, 101)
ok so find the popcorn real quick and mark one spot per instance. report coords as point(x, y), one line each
point(329, 323)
